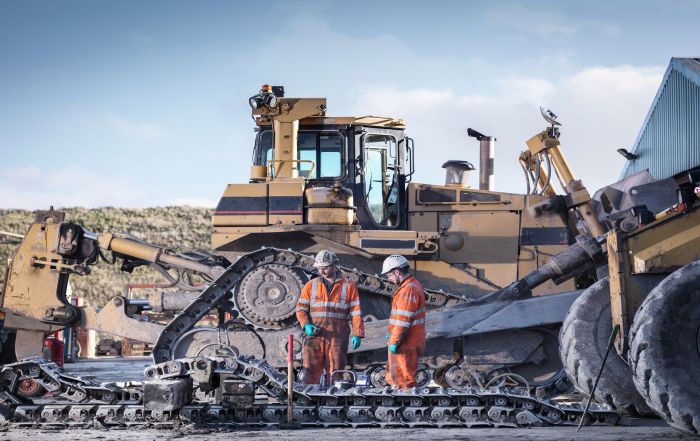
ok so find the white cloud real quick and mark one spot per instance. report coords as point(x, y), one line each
point(601, 109)
point(543, 23)
point(528, 89)
point(35, 188)
point(133, 129)
point(547, 23)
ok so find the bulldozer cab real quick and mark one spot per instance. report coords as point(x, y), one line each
point(374, 163)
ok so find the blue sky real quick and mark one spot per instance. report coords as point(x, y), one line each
point(145, 103)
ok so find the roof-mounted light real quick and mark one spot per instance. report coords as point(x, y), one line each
point(268, 97)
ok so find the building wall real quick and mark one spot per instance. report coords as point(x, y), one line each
point(669, 142)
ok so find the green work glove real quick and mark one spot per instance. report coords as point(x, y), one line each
point(393, 348)
point(356, 342)
point(388, 334)
point(310, 329)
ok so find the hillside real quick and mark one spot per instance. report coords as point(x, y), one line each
point(174, 227)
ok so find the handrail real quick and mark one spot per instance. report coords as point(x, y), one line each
point(311, 170)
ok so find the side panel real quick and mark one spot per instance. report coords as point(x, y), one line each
point(486, 241)
point(242, 204)
point(286, 202)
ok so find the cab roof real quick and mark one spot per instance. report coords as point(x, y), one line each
point(367, 120)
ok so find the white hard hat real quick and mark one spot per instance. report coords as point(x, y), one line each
point(325, 258)
point(392, 262)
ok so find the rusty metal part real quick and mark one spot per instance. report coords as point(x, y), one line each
point(29, 389)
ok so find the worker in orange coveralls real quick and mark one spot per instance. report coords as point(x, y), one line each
point(325, 309)
point(406, 336)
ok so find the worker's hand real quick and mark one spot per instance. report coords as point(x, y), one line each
point(393, 348)
point(356, 341)
point(310, 329)
point(388, 334)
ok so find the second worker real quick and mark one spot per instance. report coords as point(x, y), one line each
point(327, 306)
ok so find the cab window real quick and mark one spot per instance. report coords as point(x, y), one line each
point(325, 149)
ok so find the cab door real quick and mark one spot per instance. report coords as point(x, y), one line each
point(382, 182)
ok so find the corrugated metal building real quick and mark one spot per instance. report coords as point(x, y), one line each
point(669, 141)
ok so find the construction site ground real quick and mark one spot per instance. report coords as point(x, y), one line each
point(120, 369)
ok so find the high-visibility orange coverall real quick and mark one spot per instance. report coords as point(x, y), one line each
point(407, 330)
point(332, 313)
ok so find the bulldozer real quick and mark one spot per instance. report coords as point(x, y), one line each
point(346, 184)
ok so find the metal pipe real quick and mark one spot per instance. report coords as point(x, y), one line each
point(152, 253)
point(171, 300)
point(487, 153)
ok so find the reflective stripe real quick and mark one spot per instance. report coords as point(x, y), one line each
point(355, 303)
point(401, 323)
point(304, 301)
point(356, 313)
point(302, 309)
point(333, 304)
point(408, 314)
point(329, 314)
point(404, 324)
point(314, 288)
point(343, 292)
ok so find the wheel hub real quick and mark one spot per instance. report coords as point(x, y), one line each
point(268, 295)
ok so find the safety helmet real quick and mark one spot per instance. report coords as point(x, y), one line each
point(325, 258)
point(392, 262)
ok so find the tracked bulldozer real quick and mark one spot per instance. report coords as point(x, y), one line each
point(346, 184)
point(343, 183)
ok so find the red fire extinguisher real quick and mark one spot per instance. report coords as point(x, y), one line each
point(53, 349)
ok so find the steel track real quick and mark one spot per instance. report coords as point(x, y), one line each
point(82, 402)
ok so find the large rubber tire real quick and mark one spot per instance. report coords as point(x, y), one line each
point(582, 343)
point(665, 349)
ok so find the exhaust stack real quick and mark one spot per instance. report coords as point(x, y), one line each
point(487, 152)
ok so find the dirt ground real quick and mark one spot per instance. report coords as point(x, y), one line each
point(658, 432)
point(120, 369)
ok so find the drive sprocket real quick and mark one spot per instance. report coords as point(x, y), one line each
point(267, 296)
